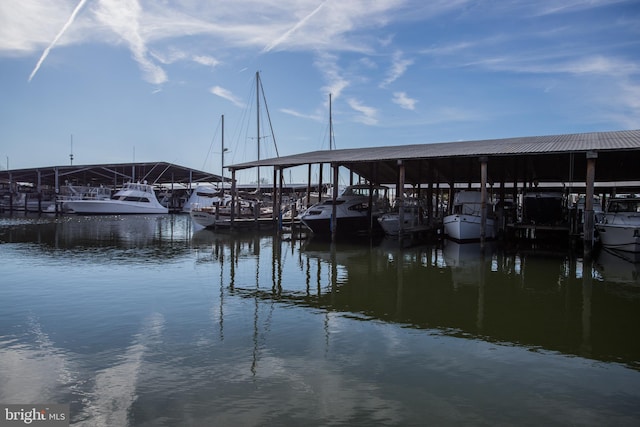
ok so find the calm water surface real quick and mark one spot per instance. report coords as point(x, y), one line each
point(149, 321)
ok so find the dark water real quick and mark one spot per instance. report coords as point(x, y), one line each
point(143, 321)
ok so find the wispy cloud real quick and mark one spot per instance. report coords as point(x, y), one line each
point(567, 6)
point(448, 49)
point(226, 94)
point(367, 116)
point(27, 27)
point(404, 101)
point(206, 60)
point(292, 24)
point(57, 37)
point(315, 117)
point(546, 64)
point(123, 18)
point(298, 24)
point(336, 82)
point(399, 66)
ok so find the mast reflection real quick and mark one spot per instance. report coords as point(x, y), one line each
point(541, 300)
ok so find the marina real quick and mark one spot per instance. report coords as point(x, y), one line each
point(526, 187)
point(313, 213)
point(137, 320)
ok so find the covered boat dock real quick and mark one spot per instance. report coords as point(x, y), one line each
point(47, 181)
point(583, 162)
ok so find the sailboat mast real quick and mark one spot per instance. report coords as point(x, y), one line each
point(258, 121)
point(222, 153)
point(330, 124)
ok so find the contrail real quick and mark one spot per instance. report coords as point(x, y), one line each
point(294, 28)
point(55, 40)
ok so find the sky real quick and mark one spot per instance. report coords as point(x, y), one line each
point(116, 81)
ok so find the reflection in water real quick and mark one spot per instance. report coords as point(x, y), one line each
point(114, 392)
point(539, 300)
point(121, 231)
point(618, 267)
point(168, 326)
point(33, 371)
point(40, 372)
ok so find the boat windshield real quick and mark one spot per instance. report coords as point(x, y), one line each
point(364, 190)
point(629, 205)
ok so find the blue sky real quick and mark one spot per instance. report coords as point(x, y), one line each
point(148, 80)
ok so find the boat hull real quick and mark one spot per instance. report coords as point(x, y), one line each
point(624, 238)
point(467, 227)
point(205, 219)
point(113, 207)
point(345, 226)
point(390, 223)
point(208, 218)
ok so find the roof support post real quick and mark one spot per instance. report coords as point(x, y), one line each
point(429, 196)
point(435, 212)
point(56, 174)
point(232, 214)
point(278, 205)
point(320, 183)
point(39, 191)
point(308, 187)
point(450, 196)
point(334, 223)
point(588, 203)
point(11, 192)
point(400, 198)
point(483, 199)
point(274, 193)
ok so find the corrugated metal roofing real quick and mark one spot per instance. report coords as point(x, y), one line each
point(552, 158)
point(580, 142)
point(106, 174)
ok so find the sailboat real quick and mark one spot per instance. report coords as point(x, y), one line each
point(356, 209)
point(223, 205)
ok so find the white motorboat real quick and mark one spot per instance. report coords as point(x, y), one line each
point(132, 198)
point(218, 213)
point(464, 224)
point(203, 195)
point(413, 218)
point(71, 192)
point(619, 226)
point(354, 215)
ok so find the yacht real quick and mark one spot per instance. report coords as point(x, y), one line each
point(132, 198)
point(619, 226)
point(203, 195)
point(413, 218)
point(71, 192)
point(465, 222)
point(217, 211)
point(354, 215)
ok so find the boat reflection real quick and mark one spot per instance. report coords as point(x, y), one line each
point(155, 233)
point(543, 301)
point(618, 267)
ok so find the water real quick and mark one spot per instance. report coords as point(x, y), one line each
point(142, 321)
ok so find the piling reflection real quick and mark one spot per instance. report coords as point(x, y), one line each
point(270, 330)
point(544, 301)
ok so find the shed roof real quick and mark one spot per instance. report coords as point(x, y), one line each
point(110, 174)
point(545, 158)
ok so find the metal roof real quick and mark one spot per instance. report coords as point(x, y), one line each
point(110, 174)
point(544, 158)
